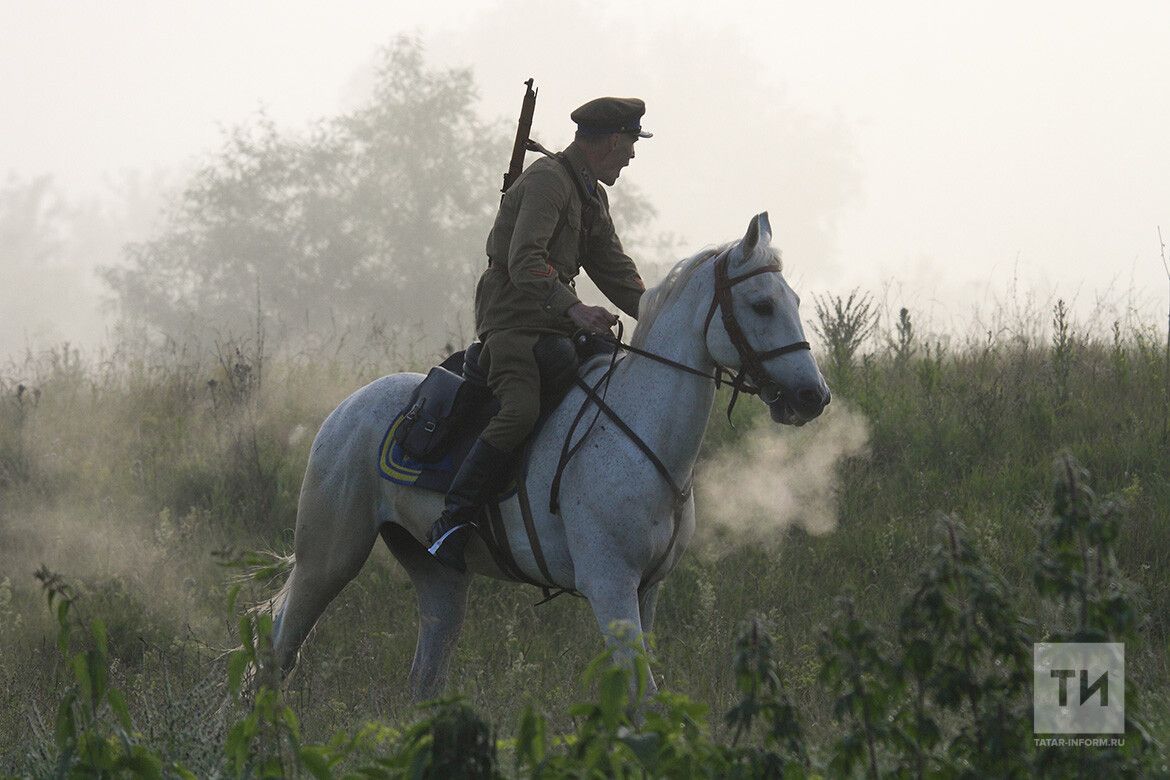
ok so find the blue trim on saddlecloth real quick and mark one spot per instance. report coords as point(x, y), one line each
point(396, 466)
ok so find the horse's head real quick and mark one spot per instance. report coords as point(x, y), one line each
point(754, 325)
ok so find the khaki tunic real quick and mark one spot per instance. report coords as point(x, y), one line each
point(535, 252)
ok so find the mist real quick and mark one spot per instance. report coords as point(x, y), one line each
point(929, 153)
point(217, 220)
point(779, 477)
point(52, 241)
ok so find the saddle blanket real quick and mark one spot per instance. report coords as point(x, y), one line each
point(398, 467)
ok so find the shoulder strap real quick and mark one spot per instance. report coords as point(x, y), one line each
point(587, 211)
point(572, 177)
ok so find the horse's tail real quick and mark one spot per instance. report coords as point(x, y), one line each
point(265, 567)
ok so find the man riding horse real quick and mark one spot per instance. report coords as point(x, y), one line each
point(553, 221)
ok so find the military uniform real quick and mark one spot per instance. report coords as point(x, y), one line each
point(553, 221)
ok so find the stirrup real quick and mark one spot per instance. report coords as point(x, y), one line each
point(448, 549)
point(434, 548)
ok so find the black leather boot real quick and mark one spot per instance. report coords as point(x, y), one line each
point(476, 482)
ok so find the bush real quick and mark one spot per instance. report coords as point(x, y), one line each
point(946, 695)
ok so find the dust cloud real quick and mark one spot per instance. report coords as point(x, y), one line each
point(778, 476)
point(78, 509)
point(133, 476)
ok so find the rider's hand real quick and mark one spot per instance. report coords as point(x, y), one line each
point(592, 318)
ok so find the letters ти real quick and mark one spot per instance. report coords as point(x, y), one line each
point(1101, 684)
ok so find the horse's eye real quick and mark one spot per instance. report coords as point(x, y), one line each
point(762, 308)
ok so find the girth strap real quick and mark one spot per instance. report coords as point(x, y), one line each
point(495, 537)
point(529, 523)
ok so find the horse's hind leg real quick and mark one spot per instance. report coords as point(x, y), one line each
point(310, 589)
point(442, 604)
point(331, 548)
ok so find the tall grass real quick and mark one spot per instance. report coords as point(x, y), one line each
point(135, 472)
point(946, 695)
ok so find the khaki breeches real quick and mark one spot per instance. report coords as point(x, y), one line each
point(514, 378)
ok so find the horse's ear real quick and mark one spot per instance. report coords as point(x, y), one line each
point(759, 233)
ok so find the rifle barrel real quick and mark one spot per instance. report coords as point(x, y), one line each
point(523, 128)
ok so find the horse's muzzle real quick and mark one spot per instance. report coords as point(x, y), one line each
point(796, 408)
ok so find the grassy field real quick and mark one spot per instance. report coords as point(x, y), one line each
point(136, 475)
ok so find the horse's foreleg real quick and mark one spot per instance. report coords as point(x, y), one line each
point(648, 606)
point(442, 604)
point(616, 606)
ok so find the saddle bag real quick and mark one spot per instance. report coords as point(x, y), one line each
point(435, 412)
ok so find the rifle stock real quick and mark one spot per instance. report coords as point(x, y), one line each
point(519, 146)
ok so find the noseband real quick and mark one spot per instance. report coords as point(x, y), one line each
point(751, 361)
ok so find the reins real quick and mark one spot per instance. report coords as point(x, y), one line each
point(722, 375)
point(592, 395)
point(751, 370)
point(752, 362)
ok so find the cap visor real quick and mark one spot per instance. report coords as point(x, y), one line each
point(644, 134)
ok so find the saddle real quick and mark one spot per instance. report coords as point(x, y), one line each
point(453, 404)
point(429, 438)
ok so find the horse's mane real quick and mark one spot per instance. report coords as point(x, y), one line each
point(665, 292)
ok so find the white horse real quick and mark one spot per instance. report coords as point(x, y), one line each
point(614, 538)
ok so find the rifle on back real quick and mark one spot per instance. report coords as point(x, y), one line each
point(522, 142)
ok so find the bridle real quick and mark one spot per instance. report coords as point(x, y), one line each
point(751, 361)
point(751, 368)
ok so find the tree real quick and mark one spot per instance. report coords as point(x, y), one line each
point(382, 211)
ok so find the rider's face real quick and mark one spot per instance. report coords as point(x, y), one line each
point(621, 151)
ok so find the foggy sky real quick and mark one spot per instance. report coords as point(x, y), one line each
point(936, 150)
